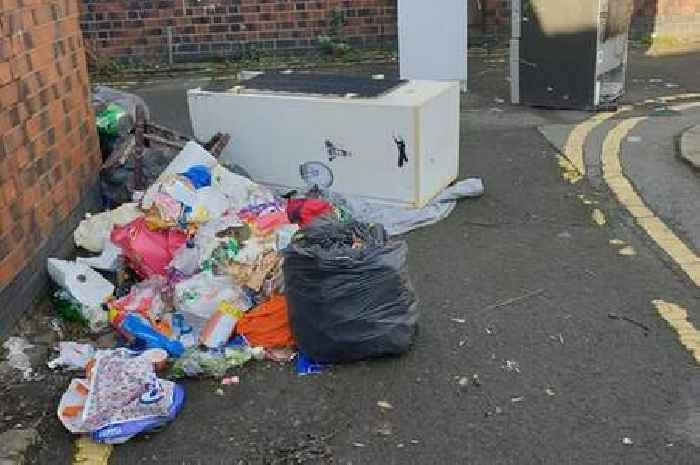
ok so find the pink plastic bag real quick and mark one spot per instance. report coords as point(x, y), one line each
point(149, 252)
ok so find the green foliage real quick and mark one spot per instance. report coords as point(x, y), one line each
point(332, 43)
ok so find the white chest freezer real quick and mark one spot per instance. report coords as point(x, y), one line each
point(400, 147)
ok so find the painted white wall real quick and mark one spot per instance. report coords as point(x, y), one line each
point(433, 40)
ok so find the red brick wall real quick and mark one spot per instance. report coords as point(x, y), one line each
point(48, 145)
point(137, 29)
point(675, 17)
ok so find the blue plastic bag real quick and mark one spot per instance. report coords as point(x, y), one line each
point(199, 176)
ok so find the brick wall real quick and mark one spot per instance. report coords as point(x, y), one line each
point(138, 29)
point(677, 18)
point(49, 153)
point(670, 18)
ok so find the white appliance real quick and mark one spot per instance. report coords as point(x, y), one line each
point(433, 40)
point(399, 148)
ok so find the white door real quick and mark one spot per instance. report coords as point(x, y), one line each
point(433, 40)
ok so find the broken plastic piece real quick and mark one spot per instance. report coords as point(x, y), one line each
point(306, 366)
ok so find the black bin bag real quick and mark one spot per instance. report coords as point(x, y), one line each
point(348, 292)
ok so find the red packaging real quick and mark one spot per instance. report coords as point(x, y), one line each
point(149, 252)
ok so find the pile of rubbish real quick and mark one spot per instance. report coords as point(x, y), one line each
point(208, 271)
point(203, 271)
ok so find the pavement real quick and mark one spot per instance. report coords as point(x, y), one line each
point(690, 146)
point(542, 339)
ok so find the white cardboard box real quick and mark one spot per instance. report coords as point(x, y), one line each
point(274, 134)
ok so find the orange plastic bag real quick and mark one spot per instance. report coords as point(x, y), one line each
point(267, 325)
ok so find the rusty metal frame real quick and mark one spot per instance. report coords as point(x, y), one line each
point(146, 134)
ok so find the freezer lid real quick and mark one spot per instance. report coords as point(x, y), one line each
point(334, 85)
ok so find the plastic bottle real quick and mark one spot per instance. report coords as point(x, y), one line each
point(137, 329)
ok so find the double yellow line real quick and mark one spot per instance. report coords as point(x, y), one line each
point(654, 227)
point(88, 452)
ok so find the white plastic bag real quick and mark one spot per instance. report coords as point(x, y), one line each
point(186, 260)
point(202, 294)
point(73, 356)
point(16, 357)
point(206, 241)
point(93, 232)
point(107, 260)
point(241, 191)
point(399, 220)
point(209, 204)
point(144, 298)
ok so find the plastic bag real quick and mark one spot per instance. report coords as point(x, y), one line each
point(149, 252)
point(103, 96)
point(73, 356)
point(209, 203)
point(108, 120)
point(269, 222)
point(238, 189)
point(165, 212)
point(122, 398)
point(144, 298)
point(108, 260)
point(219, 327)
point(267, 325)
point(68, 308)
point(348, 292)
point(400, 220)
point(93, 232)
point(186, 260)
point(217, 233)
point(16, 357)
point(202, 294)
point(305, 211)
point(117, 181)
point(214, 363)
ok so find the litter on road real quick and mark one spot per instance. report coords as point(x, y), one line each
point(615, 316)
point(511, 365)
point(16, 357)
